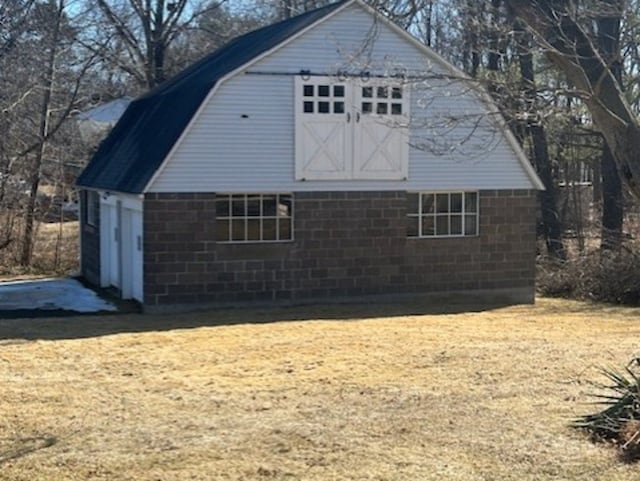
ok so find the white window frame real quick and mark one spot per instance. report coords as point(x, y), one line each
point(245, 218)
point(92, 208)
point(420, 215)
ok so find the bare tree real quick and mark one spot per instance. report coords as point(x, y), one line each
point(570, 48)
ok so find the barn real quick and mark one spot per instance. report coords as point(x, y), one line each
point(328, 156)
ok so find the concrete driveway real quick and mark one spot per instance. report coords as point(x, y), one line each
point(47, 295)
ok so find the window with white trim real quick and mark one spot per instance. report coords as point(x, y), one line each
point(92, 208)
point(442, 214)
point(254, 217)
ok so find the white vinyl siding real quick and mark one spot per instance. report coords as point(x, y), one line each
point(244, 139)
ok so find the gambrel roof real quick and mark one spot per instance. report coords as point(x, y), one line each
point(133, 151)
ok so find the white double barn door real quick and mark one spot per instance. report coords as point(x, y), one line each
point(121, 254)
point(350, 129)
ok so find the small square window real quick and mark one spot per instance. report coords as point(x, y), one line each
point(396, 93)
point(92, 208)
point(396, 109)
point(238, 206)
point(456, 225)
point(269, 232)
point(367, 92)
point(222, 206)
point(367, 107)
point(412, 202)
point(428, 203)
point(456, 203)
point(308, 90)
point(470, 225)
point(222, 230)
point(471, 202)
point(381, 108)
point(323, 107)
point(338, 90)
point(285, 206)
point(442, 203)
point(323, 90)
point(269, 206)
point(428, 226)
point(238, 232)
point(253, 230)
point(308, 107)
point(442, 225)
point(338, 107)
point(284, 229)
point(253, 206)
point(382, 92)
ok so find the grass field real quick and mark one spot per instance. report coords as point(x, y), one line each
point(310, 393)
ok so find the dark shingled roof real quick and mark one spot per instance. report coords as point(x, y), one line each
point(133, 151)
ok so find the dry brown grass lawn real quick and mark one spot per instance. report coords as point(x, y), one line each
point(366, 393)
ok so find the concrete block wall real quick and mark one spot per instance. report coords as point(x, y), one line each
point(345, 244)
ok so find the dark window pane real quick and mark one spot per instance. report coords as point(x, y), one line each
point(285, 229)
point(471, 202)
point(222, 230)
point(442, 225)
point(412, 203)
point(323, 107)
point(428, 203)
point(237, 230)
point(428, 227)
point(222, 206)
point(238, 206)
point(253, 206)
point(367, 92)
point(285, 206)
point(308, 107)
point(323, 90)
point(366, 107)
point(269, 205)
point(269, 229)
point(308, 90)
point(412, 226)
point(456, 225)
point(456, 202)
point(338, 91)
point(470, 225)
point(338, 107)
point(396, 93)
point(381, 108)
point(442, 203)
point(383, 92)
point(253, 229)
point(396, 109)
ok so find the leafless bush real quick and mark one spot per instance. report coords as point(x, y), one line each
point(599, 275)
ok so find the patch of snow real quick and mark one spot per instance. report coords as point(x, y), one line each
point(50, 294)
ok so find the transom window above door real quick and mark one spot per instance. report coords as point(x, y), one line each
point(351, 129)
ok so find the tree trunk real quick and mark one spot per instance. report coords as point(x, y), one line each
point(612, 198)
point(612, 205)
point(36, 167)
point(551, 224)
point(570, 49)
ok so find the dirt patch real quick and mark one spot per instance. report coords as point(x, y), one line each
point(473, 396)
